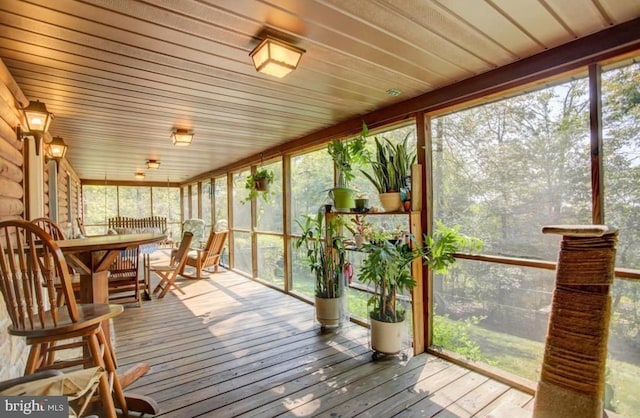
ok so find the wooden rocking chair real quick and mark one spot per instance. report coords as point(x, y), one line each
point(207, 257)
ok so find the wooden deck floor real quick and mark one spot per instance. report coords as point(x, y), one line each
point(232, 347)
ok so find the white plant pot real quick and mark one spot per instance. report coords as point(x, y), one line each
point(387, 337)
point(391, 202)
point(329, 311)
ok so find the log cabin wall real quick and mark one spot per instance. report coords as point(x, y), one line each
point(69, 198)
point(12, 349)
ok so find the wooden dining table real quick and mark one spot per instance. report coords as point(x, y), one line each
point(91, 257)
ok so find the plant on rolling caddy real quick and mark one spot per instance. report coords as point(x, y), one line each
point(327, 261)
point(387, 267)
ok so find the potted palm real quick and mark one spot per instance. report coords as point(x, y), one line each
point(258, 184)
point(389, 171)
point(387, 267)
point(345, 153)
point(325, 255)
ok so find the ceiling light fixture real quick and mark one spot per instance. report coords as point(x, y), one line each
point(139, 175)
point(37, 119)
point(153, 164)
point(275, 57)
point(181, 137)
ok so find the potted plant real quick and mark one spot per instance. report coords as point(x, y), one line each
point(389, 171)
point(387, 266)
point(258, 184)
point(325, 255)
point(344, 154)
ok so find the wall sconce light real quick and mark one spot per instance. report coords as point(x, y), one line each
point(275, 57)
point(181, 137)
point(139, 175)
point(153, 163)
point(57, 149)
point(38, 119)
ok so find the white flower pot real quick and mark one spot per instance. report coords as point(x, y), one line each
point(329, 311)
point(391, 202)
point(387, 337)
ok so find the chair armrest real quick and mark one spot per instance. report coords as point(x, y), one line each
point(44, 374)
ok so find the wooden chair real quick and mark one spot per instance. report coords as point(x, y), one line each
point(50, 227)
point(56, 233)
point(207, 257)
point(169, 273)
point(197, 227)
point(30, 263)
point(78, 386)
point(124, 277)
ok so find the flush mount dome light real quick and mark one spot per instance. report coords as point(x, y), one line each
point(275, 57)
point(139, 175)
point(153, 164)
point(181, 137)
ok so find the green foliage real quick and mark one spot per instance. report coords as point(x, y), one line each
point(325, 260)
point(250, 184)
point(387, 268)
point(447, 241)
point(387, 265)
point(391, 166)
point(345, 153)
point(454, 336)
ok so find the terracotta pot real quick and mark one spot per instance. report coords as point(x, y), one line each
point(387, 337)
point(391, 202)
point(329, 311)
point(262, 185)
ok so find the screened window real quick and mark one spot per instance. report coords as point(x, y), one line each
point(502, 171)
point(621, 127)
point(269, 214)
point(134, 202)
point(311, 179)
point(100, 204)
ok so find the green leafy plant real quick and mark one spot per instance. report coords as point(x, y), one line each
point(252, 181)
point(347, 152)
point(392, 165)
point(387, 266)
point(440, 248)
point(326, 260)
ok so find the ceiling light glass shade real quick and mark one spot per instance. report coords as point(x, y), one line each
point(57, 148)
point(181, 137)
point(139, 176)
point(153, 164)
point(275, 57)
point(37, 118)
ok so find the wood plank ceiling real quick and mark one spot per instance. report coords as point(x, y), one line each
point(120, 74)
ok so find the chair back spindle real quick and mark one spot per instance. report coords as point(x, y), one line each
point(30, 265)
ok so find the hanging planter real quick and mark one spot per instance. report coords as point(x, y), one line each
point(261, 184)
point(258, 184)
